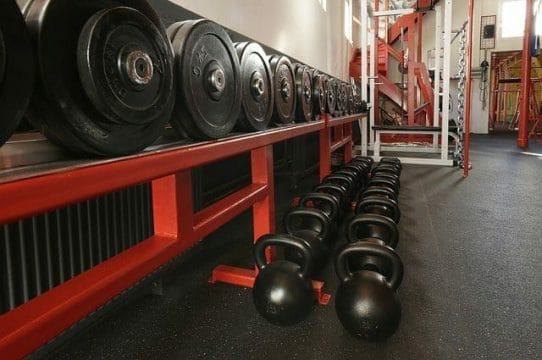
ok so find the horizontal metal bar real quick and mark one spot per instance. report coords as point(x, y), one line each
point(40, 192)
point(212, 217)
point(43, 317)
point(421, 161)
point(393, 12)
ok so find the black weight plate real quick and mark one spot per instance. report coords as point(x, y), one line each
point(117, 96)
point(340, 98)
point(16, 68)
point(209, 80)
point(257, 87)
point(331, 99)
point(283, 85)
point(126, 83)
point(318, 93)
point(303, 85)
point(344, 97)
point(350, 92)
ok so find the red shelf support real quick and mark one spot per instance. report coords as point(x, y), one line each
point(176, 226)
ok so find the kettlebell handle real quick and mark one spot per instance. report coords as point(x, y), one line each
point(335, 178)
point(366, 248)
point(379, 201)
point(356, 221)
point(303, 212)
point(323, 197)
point(336, 190)
point(284, 240)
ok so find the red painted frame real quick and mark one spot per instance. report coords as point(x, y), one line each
point(176, 226)
point(336, 134)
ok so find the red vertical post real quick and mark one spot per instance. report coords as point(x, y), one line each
point(523, 131)
point(263, 211)
point(165, 214)
point(468, 88)
point(348, 146)
point(263, 217)
point(185, 207)
point(376, 37)
point(325, 150)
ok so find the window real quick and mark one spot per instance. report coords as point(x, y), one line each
point(513, 18)
point(348, 19)
point(323, 4)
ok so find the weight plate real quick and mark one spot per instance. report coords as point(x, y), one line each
point(16, 68)
point(340, 98)
point(350, 92)
point(344, 97)
point(257, 87)
point(318, 93)
point(209, 80)
point(331, 103)
point(303, 84)
point(283, 85)
point(115, 95)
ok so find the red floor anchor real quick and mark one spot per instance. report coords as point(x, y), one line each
point(245, 277)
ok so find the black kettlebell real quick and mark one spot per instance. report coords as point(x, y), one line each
point(378, 181)
point(366, 302)
point(363, 159)
point(376, 229)
point(382, 191)
point(357, 178)
point(311, 225)
point(385, 175)
point(345, 181)
point(379, 205)
point(338, 191)
point(329, 204)
point(390, 169)
point(390, 160)
point(282, 291)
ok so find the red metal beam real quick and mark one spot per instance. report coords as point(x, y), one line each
point(177, 228)
point(523, 123)
point(31, 325)
point(40, 194)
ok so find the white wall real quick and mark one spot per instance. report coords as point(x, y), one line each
point(299, 28)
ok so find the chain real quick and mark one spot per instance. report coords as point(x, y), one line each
point(461, 96)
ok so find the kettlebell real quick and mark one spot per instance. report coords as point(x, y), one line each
point(382, 191)
point(376, 229)
point(389, 169)
point(322, 201)
point(345, 181)
point(386, 175)
point(379, 205)
point(339, 192)
point(311, 225)
point(366, 302)
point(378, 181)
point(282, 291)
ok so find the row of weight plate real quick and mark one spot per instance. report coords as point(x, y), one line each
point(369, 268)
point(130, 76)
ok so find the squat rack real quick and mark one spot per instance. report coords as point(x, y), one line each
point(177, 226)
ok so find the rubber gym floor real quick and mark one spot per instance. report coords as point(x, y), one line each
point(473, 261)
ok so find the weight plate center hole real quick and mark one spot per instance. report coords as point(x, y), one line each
point(285, 90)
point(258, 85)
point(216, 80)
point(138, 68)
